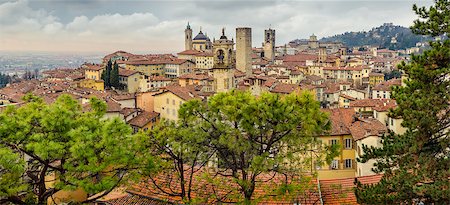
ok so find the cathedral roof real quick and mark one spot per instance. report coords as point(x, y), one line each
point(201, 36)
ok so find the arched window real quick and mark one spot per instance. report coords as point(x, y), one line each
point(220, 56)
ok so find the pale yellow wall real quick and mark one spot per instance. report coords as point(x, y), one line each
point(395, 126)
point(167, 104)
point(325, 172)
point(365, 169)
point(204, 62)
point(344, 102)
point(378, 94)
point(354, 93)
point(149, 70)
point(381, 116)
point(223, 80)
point(93, 84)
point(295, 79)
point(315, 70)
point(374, 80)
point(132, 82)
point(93, 74)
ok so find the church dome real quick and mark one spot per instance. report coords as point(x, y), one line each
point(201, 36)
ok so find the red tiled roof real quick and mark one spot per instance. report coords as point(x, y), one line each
point(126, 72)
point(341, 119)
point(370, 102)
point(128, 111)
point(126, 96)
point(301, 57)
point(347, 97)
point(195, 76)
point(189, 52)
point(363, 128)
point(93, 67)
point(159, 78)
point(182, 92)
point(387, 85)
point(284, 88)
point(340, 191)
point(227, 190)
point(133, 199)
point(143, 119)
point(352, 68)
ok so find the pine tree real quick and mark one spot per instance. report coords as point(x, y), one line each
point(81, 148)
point(248, 135)
point(416, 165)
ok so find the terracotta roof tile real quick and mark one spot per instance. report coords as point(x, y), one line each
point(387, 85)
point(363, 128)
point(189, 52)
point(182, 92)
point(341, 119)
point(126, 72)
point(284, 88)
point(143, 119)
point(195, 76)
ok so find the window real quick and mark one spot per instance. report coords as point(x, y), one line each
point(348, 144)
point(334, 164)
point(348, 163)
point(174, 113)
point(173, 102)
point(167, 100)
point(334, 141)
point(392, 121)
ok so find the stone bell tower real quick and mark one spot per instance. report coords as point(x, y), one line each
point(269, 44)
point(188, 37)
point(223, 71)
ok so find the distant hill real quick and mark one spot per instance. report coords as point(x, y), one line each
point(382, 36)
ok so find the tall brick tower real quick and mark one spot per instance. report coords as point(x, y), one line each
point(244, 50)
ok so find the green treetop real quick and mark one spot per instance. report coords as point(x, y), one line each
point(60, 140)
point(252, 136)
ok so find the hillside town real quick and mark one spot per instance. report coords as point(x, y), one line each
point(349, 84)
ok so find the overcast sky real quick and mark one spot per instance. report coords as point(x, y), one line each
point(148, 26)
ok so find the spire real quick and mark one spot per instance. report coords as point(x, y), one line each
point(188, 26)
point(223, 31)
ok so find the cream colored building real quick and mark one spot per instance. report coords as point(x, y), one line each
point(204, 60)
point(168, 102)
point(130, 79)
point(366, 132)
point(93, 72)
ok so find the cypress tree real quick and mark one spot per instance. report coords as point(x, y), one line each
point(114, 77)
point(106, 74)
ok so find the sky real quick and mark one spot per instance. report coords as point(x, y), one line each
point(149, 26)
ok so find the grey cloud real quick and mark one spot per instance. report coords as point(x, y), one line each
point(158, 26)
